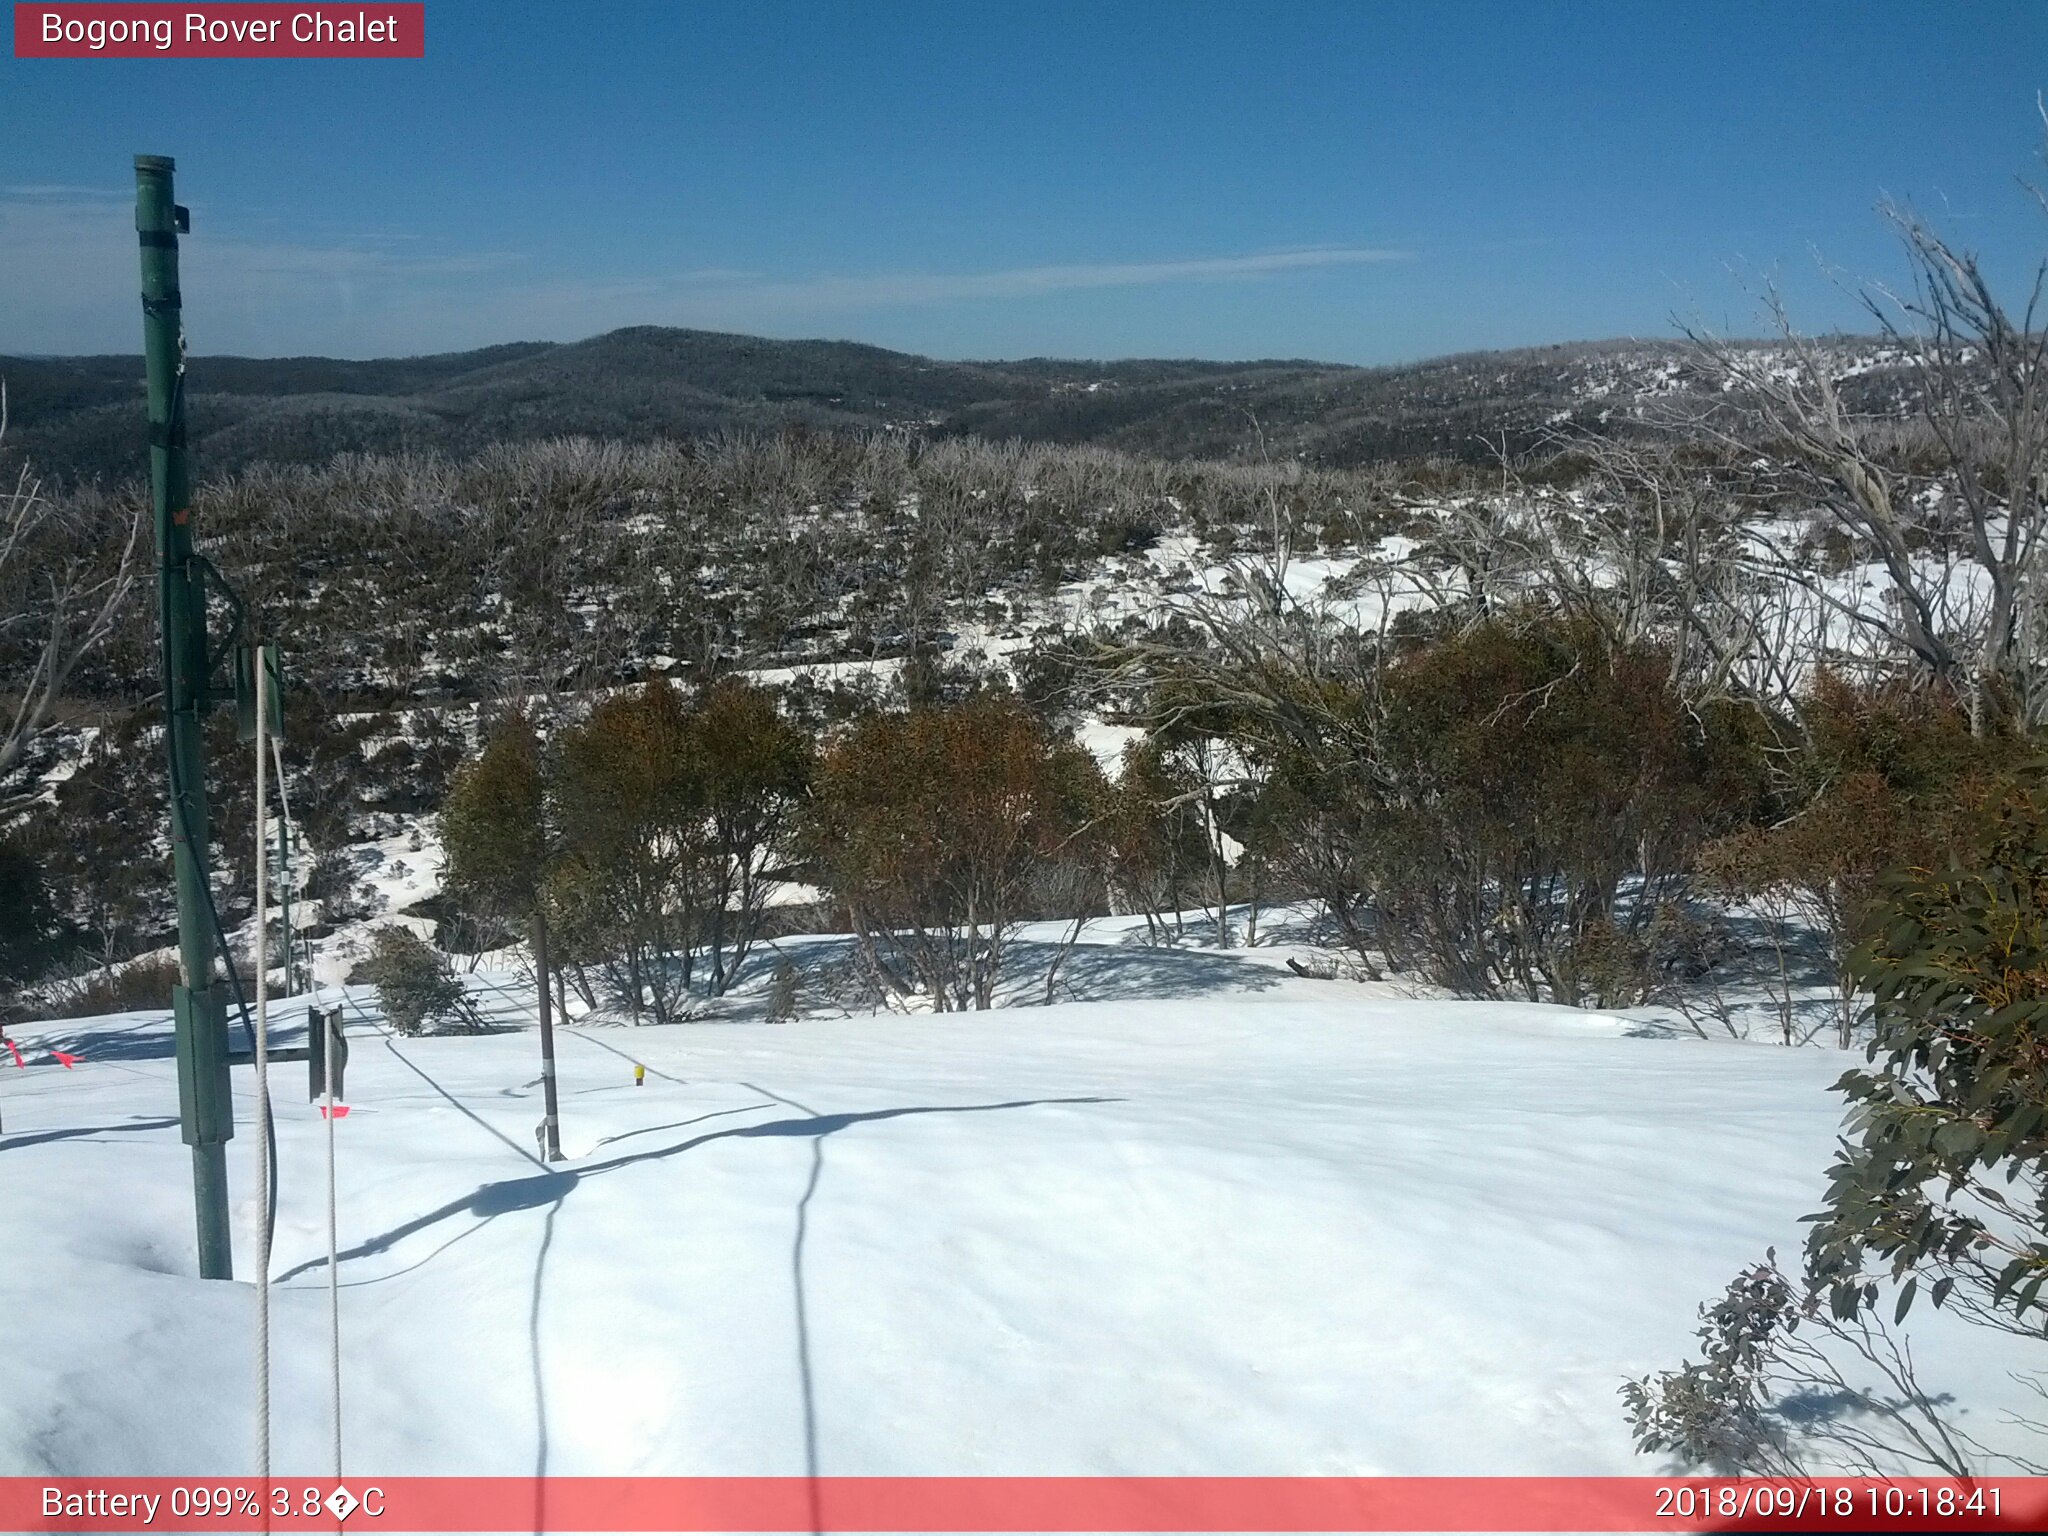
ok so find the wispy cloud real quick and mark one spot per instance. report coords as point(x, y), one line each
point(69, 254)
point(63, 191)
point(899, 289)
point(742, 300)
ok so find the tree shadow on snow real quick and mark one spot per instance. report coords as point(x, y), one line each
point(1126, 968)
point(1131, 972)
point(145, 1037)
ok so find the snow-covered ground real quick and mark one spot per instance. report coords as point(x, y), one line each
point(1221, 1219)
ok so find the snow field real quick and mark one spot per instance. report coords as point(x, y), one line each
point(1303, 1229)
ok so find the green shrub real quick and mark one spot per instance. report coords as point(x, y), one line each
point(1946, 1174)
point(1939, 1187)
point(1882, 778)
point(930, 829)
point(1536, 797)
point(129, 988)
point(414, 982)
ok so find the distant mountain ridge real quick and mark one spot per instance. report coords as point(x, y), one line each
point(80, 417)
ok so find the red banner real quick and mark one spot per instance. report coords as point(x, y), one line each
point(1007, 1504)
point(216, 31)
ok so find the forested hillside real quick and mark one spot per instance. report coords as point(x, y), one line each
point(82, 417)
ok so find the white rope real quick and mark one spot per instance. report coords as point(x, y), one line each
point(284, 864)
point(262, 1084)
point(332, 1024)
point(331, 1052)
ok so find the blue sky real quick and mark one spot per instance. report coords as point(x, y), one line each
point(1360, 182)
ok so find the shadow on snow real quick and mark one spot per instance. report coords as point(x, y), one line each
point(554, 1184)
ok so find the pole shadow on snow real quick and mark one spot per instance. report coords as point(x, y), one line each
point(526, 1152)
point(36, 1138)
point(807, 1395)
point(503, 1196)
point(817, 1127)
point(677, 1125)
point(551, 1187)
point(540, 1398)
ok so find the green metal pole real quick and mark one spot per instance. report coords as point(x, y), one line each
point(204, 1108)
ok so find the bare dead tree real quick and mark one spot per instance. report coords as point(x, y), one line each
point(58, 601)
point(1982, 373)
point(1790, 402)
point(1966, 602)
point(1652, 544)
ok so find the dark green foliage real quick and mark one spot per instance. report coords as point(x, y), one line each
point(932, 828)
point(33, 933)
point(1721, 1413)
point(1152, 844)
point(103, 843)
point(1940, 1187)
point(1322, 825)
point(494, 825)
point(674, 816)
point(413, 981)
point(757, 771)
point(496, 828)
point(1878, 778)
point(1520, 800)
point(102, 840)
point(629, 796)
point(1945, 1175)
point(1785, 1389)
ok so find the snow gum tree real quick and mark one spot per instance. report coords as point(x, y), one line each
point(1946, 1172)
point(632, 801)
point(757, 769)
point(495, 827)
point(1151, 838)
point(413, 981)
point(1545, 792)
point(677, 816)
point(932, 829)
point(1321, 834)
point(1511, 807)
point(1197, 742)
